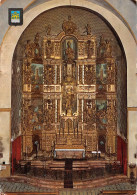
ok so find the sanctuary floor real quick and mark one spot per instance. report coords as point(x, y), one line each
point(15, 188)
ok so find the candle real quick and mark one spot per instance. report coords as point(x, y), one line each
point(37, 147)
point(97, 146)
point(26, 153)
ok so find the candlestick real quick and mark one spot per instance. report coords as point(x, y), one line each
point(77, 128)
point(26, 152)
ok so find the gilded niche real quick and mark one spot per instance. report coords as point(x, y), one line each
point(69, 56)
point(69, 98)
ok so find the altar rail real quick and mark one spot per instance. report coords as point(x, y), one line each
point(77, 174)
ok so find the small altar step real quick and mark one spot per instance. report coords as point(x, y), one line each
point(59, 164)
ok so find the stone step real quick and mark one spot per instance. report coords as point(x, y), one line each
point(44, 183)
point(59, 184)
point(100, 182)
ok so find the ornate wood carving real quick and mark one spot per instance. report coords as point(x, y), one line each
point(69, 92)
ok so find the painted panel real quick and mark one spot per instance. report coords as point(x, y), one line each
point(37, 74)
point(101, 73)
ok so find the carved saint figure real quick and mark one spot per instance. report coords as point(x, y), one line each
point(49, 48)
point(28, 49)
point(101, 74)
point(102, 47)
point(33, 49)
point(48, 30)
point(36, 39)
point(108, 49)
point(69, 100)
point(88, 29)
point(69, 53)
point(36, 46)
point(37, 76)
point(69, 27)
point(90, 48)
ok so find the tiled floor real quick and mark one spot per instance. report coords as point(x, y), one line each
point(96, 191)
point(28, 193)
point(22, 187)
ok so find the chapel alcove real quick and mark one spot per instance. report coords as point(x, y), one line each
point(69, 89)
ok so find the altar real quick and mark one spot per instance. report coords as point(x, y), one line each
point(69, 153)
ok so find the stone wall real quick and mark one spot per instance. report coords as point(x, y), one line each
point(5, 136)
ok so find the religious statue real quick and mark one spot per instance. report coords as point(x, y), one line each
point(37, 76)
point(69, 27)
point(69, 53)
point(28, 49)
point(101, 74)
point(48, 30)
point(36, 46)
point(69, 101)
point(49, 49)
point(68, 105)
point(36, 38)
point(90, 49)
point(102, 41)
point(88, 29)
point(102, 47)
point(108, 49)
point(69, 66)
point(49, 74)
point(32, 49)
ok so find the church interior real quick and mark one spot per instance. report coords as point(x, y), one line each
point(68, 107)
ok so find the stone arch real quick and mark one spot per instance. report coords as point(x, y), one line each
point(13, 35)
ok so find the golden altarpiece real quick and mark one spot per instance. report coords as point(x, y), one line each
point(69, 95)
